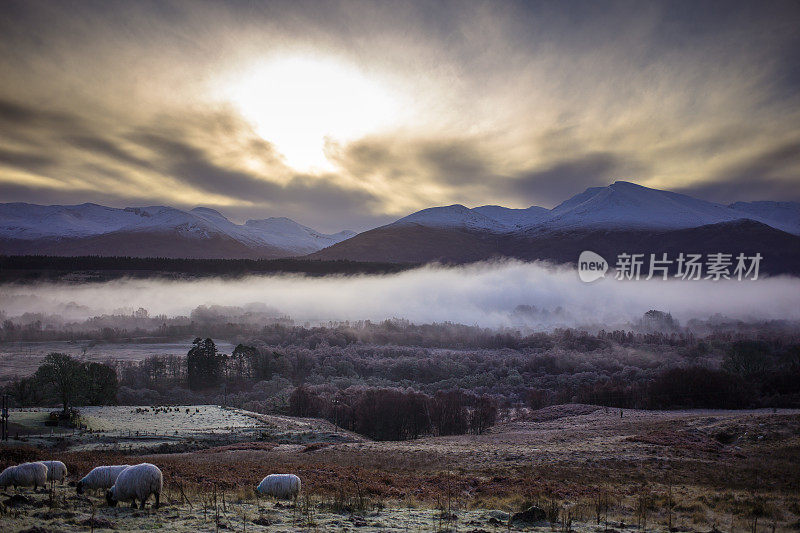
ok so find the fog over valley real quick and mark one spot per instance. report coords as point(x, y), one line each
point(488, 294)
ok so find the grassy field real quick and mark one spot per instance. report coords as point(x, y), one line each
point(588, 468)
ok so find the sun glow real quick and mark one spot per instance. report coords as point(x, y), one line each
point(299, 103)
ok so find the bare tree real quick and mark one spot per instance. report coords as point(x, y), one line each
point(66, 375)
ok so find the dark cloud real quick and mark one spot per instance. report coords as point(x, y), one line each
point(563, 179)
point(576, 87)
point(17, 114)
point(771, 175)
point(165, 151)
point(30, 193)
point(26, 161)
point(108, 148)
point(31, 125)
point(456, 162)
point(192, 166)
point(320, 203)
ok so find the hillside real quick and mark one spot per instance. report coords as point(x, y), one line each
point(415, 244)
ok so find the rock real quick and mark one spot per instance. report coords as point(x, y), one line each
point(358, 521)
point(51, 514)
point(531, 515)
point(97, 522)
point(17, 500)
point(499, 515)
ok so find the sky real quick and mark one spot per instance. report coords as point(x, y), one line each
point(353, 114)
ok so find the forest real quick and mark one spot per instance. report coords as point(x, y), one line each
point(35, 268)
point(396, 380)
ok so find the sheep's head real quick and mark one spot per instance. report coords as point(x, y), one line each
point(110, 498)
point(79, 487)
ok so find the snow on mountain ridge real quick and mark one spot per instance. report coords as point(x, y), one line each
point(621, 205)
point(782, 215)
point(31, 221)
point(627, 205)
point(514, 218)
point(284, 231)
point(454, 216)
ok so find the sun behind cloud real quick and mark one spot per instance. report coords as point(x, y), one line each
point(297, 102)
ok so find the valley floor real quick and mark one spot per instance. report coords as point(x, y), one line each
point(691, 470)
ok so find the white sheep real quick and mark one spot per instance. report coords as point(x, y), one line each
point(280, 486)
point(7, 477)
point(101, 477)
point(24, 475)
point(56, 470)
point(137, 483)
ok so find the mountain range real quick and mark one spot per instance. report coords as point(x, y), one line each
point(622, 217)
point(621, 205)
point(91, 229)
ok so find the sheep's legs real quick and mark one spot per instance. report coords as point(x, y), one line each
point(133, 503)
point(158, 498)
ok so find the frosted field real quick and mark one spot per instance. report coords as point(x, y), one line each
point(709, 460)
point(148, 427)
point(122, 420)
point(130, 427)
point(247, 515)
point(183, 420)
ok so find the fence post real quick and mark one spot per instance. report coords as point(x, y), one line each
point(4, 418)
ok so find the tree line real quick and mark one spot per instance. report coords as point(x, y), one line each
point(40, 267)
point(393, 391)
point(396, 414)
point(64, 380)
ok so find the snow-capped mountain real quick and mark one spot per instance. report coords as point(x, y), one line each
point(514, 218)
point(452, 216)
point(492, 218)
point(621, 205)
point(782, 215)
point(97, 229)
point(624, 205)
point(622, 217)
point(450, 233)
point(286, 233)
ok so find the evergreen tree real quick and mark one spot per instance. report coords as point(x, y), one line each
point(205, 365)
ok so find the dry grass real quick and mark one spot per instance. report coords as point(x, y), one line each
point(653, 470)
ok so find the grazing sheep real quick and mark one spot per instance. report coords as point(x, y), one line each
point(7, 477)
point(24, 475)
point(137, 483)
point(102, 477)
point(280, 486)
point(56, 470)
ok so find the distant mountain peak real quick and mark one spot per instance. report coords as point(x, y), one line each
point(620, 205)
point(100, 230)
point(94, 229)
point(208, 211)
point(623, 184)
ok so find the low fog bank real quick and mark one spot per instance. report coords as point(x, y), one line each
point(493, 294)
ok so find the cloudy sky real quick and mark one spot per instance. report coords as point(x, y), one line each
point(352, 114)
